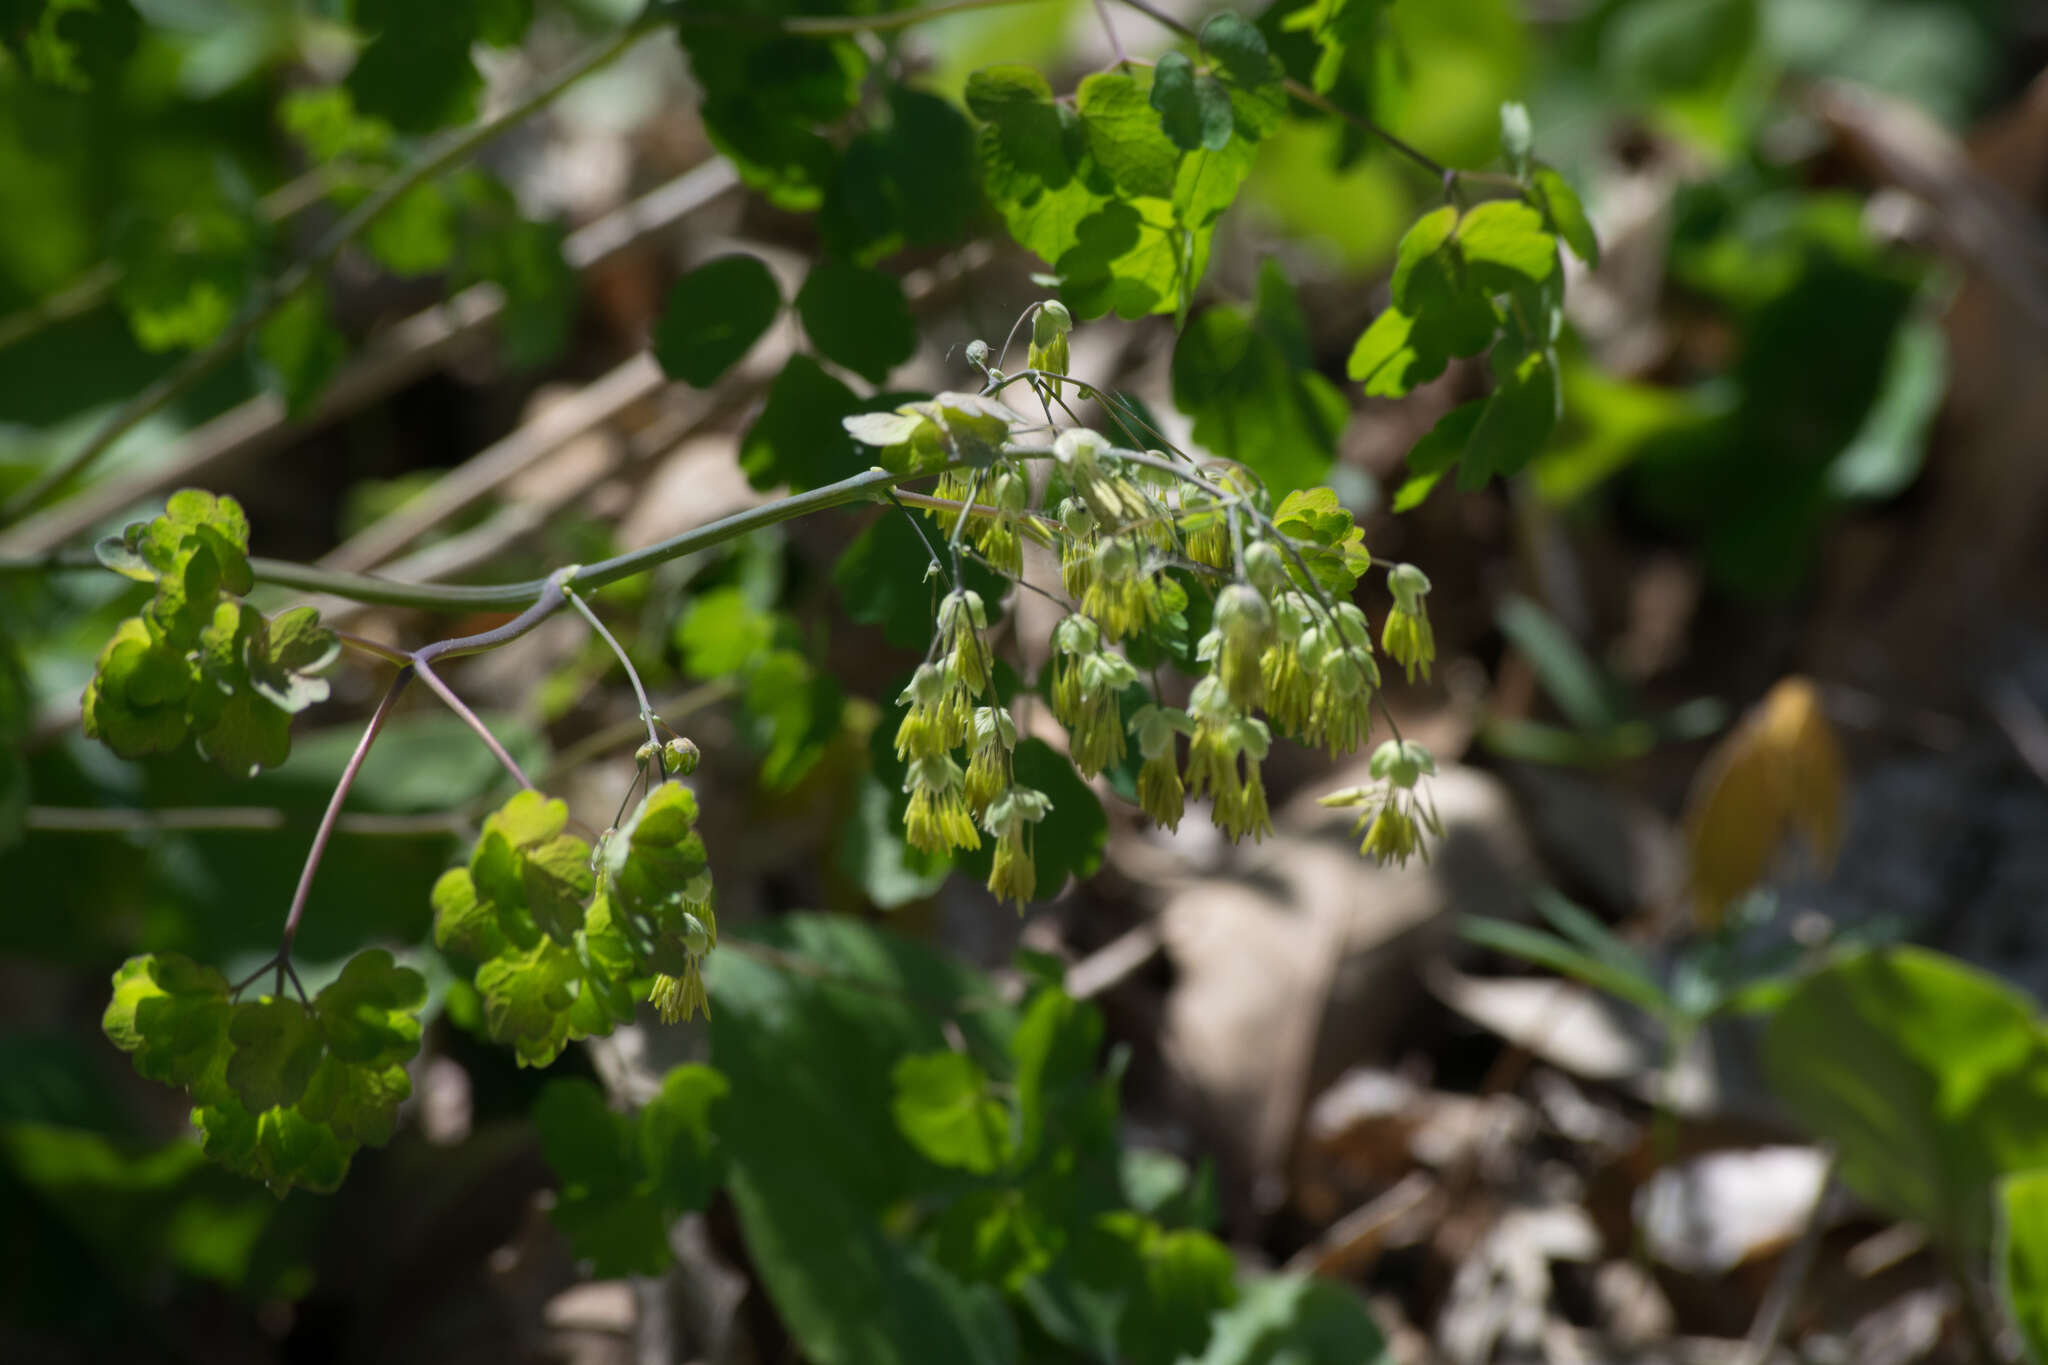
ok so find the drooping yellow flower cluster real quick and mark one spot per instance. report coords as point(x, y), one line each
point(1145, 545)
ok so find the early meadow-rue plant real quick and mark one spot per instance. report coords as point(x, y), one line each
point(1394, 813)
point(1183, 574)
point(1161, 794)
point(1408, 639)
point(1010, 818)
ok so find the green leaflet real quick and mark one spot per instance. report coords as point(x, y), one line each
point(623, 1177)
point(553, 965)
point(798, 440)
point(1464, 281)
point(284, 1090)
point(713, 316)
point(1121, 192)
point(199, 661)
point(416, 73)
point(857, 317)
point(1325, 537)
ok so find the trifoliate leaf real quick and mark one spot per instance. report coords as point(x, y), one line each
point(944, 1109)
point(858, 318)
point(1194, 110)
point(280, 1147)
point(285, 1092)
point(1127, 259)
point(798, 440)
point(712, 318)
point(1400, 351)
point(1325, 537)
point(298, 350)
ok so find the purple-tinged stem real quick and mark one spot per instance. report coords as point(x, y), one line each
point(327, 821)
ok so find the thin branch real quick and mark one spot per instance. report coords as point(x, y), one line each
point(625, 662)
point(327, 821)
point(223, 819)
point(187, 375)
point(837, 26)
point(475, 722)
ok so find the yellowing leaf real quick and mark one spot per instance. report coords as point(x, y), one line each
point(1778, 773)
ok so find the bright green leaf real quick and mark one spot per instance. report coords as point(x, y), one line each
point(943, 1108)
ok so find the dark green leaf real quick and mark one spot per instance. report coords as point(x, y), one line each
point(1193, 109)
point(1239, 48)
point(798, 439)
point(857, 317)
point(678, 1145)
point(811, 1052)
point(713, 316)
point(1517, 420)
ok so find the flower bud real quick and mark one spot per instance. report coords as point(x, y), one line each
point(681, 756)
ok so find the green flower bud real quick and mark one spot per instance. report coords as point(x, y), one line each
point(1265, 566)
point(681, 756)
